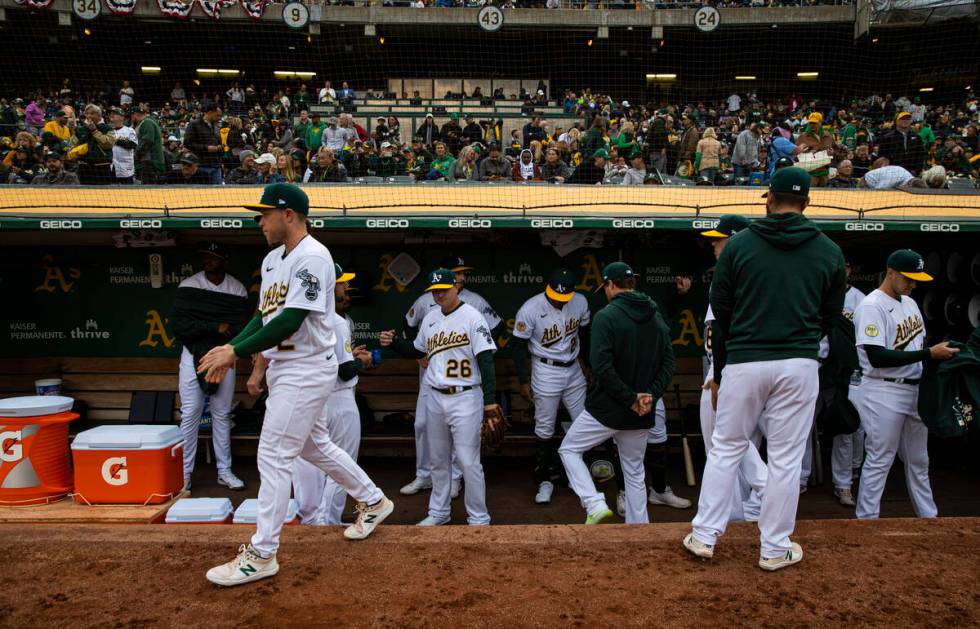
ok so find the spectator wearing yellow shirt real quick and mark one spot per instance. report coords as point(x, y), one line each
point(57, 132)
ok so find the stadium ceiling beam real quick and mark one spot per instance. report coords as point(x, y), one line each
point(672, 18)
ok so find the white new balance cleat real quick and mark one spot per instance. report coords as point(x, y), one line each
point(230, 481)
point(248, 566)
point(455, 487)
point(369, 517)
point(698, 548)
point(431, 521)
point(545, 490)
point(668, 499)
point(621, 504)
point(187, 483)
point(844, 496)
point(417, 485)
point(792, 556)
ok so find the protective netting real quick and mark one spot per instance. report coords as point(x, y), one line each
point(586, 93)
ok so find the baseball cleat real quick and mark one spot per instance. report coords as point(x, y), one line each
point(621, 504)
point(803, 489)
point(545, 490)
point(369, 517)
point(187, 483)
point(431, 521)
point(668, 499)
point(844, 497)
point(793, 555)
point(248, 566)
point(698, 548)
point(454, 488)
point(599, 516)
point(230, 481)
point(417, 485)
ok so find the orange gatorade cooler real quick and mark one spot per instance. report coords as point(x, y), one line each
point(128, 464)
point(200, 511)
point(35, 463)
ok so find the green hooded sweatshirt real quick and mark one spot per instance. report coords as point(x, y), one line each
point(631, 353)
point(777, 290)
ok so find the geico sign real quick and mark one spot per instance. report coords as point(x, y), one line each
point(552, 223)
point(11, 449)
point(864, 227)
point(939, 227)
point(633, 223)
point(143, 223)
point(471, 223)
point(61, 224)
point(114, 471)
point(704, 224)
point(221, 223)
point(387, 222)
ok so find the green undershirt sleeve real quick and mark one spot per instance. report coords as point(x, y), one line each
point(518, 352)
point(253, 326)
point(348, 370)
point(406, 348)
point(488, 376)
point(881, 358)
point(271, 334)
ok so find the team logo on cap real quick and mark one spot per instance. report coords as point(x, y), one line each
point(871, 330)
point(434, 278)
point(796, 188)
point(310, 283)
point(920, 265)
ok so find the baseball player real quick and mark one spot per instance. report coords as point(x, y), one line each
point(413, 319)
point(460, 377)
point(890, 336)
point(778, 287)
point(633, 362)
point(555, 324)
point(319, 498)
point(847, 447)
point(210, 307)
point(746, 500)
point(294, 332)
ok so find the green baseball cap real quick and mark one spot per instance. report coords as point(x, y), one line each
point(441, 279)
point(603, 153)
point(910, 264)
point(561, 286)
point(790, 180)
point(455, 264)
point(282, 196)
point(728, 225)
point(615, 271)
point(341, 276)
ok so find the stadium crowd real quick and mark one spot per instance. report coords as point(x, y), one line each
point(245, 136)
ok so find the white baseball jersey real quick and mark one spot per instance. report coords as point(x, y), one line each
point(302, 279)
point(852, 298)
point(426, 303)
point(229, 285)
point(344, 347)
point(451, 343)
point(552, 333)
point(892, 324)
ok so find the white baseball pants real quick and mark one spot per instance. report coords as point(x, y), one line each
point(453, 427)
point(296, 426)
point(752, 472)
point(192, 406)
point(658, 432)
point(319, 498)
point(552, 386)
point(777, 396)
point(423, 461)
point(585, 433)
point(847, 453)
point(892, 426)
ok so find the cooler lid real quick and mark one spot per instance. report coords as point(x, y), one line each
point(248, 511)
point(129, 437)
point(35, 405)
point(199, 510)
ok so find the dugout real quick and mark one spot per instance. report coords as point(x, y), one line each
point(81, 302)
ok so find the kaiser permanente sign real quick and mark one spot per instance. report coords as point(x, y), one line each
point(476, 207)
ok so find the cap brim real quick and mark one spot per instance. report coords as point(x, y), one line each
point(439, 287)
point(460, 269)
point(346, 277)
point(714, 233)
point(918, 277)
point(212, 253)
point(258, 207)
point(562, 297)
point(601, 285)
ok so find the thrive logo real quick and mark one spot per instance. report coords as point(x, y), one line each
point(114, 471)
point(91, 331)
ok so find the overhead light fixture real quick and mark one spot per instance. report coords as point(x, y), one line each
point(381, 40)
point(874, 40)
point(926, 89)
point(87, 31)
point(309, 39)
point(588, 43)
point(293, 74)
point(744, 77)
point(150, 69)
point(968, 87)
point(807, 75)
point(225, 72)
point(148, 42)
point(661, 77)
point(197, 83)
point(292, 47)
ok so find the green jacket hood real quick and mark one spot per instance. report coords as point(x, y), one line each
point(637, 306)
point(785, 231)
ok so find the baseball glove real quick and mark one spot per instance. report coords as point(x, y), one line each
point(494, 427)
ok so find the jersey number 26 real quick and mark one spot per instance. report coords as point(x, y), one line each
point(458, 368)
